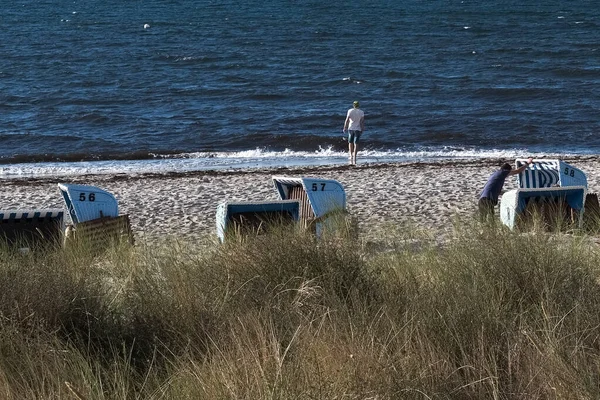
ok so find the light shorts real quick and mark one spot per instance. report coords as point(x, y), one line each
point(354, 136)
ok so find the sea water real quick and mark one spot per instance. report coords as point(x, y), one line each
point(181, 85)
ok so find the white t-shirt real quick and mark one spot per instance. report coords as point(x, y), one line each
point(355, 115)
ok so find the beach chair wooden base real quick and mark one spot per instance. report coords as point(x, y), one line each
point(239, 219)
point(98, 234)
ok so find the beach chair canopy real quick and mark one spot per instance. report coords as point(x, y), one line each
point(550, 173)
point(86, 203)
point(323, 195)
point(513, 202)
point(47, 213)
point(254, 214)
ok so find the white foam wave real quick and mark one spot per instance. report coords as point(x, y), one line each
point(256, 158)
point(400, 154)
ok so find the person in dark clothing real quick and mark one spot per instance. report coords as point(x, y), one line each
point(492, 189)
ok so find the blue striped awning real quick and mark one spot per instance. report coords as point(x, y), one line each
point(16, 215)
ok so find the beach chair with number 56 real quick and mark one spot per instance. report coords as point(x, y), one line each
point(95, 216)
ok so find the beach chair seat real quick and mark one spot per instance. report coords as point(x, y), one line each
point(95, 217)
point(31, 228)
point(252, 218)
point(556, 206)
point(99, 233)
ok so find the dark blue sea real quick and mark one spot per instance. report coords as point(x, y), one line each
point(173, 85)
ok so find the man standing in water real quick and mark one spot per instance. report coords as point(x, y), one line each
point(492, 189)
point(354, 124)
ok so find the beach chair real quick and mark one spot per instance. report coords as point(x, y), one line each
point(243, 218)
point(557, 206)
point(549, 173)
point(95, 216)
point(31, 228)
point(320, 200)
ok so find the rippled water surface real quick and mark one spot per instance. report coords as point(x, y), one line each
point(207, 80)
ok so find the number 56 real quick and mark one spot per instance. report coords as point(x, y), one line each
point(90, 197)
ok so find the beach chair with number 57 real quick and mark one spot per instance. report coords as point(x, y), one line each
point(322, 201)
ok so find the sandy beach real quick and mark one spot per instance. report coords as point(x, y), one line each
point(423, 195)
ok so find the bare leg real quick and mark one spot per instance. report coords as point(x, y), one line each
point(350, 150)
point(355, 151)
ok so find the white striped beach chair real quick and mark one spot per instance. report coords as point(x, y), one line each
point(550, 188)
point(95, 216)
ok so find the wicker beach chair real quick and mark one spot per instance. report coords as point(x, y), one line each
point(549, 189)
point(95, 217)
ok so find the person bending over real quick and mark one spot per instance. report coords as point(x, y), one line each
point(492, 189)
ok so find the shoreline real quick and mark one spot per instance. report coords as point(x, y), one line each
point(415, 195)
point(276, 170)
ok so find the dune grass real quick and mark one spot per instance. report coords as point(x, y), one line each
point(490, 314)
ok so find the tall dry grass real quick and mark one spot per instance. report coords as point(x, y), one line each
point(487, 314)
